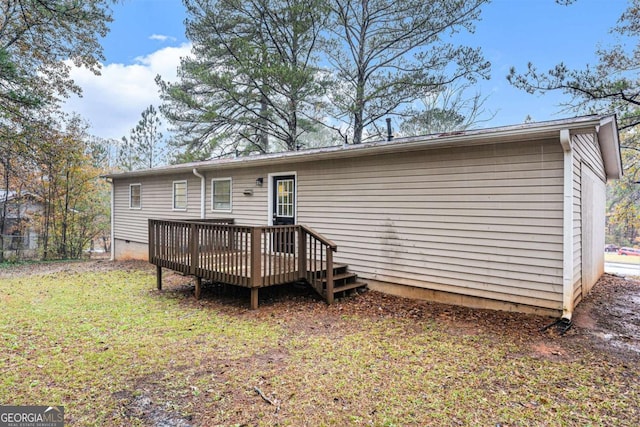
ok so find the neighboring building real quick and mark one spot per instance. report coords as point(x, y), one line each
point(19, 234)
point(507, 218)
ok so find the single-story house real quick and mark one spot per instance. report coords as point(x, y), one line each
point(19, 230)
point(508, 218)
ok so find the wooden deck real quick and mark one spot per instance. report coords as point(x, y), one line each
point(234, 267)
point(252, 257)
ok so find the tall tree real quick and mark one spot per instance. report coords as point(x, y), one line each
point(387, 54)
point(612, 85)
point(66, 179)
point(36, 38)
point(147, 139)
point(39, 40)
point(144, 148)
point(252, 79)
point(623, 197)
point(447, 110)
point(127, 159)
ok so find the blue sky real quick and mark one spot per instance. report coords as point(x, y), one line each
point(147, 38)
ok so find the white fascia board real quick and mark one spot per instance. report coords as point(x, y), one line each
point(610, 147)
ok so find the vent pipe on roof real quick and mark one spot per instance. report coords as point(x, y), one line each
point(389, 134)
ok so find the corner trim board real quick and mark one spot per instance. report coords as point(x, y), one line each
point(567, 226)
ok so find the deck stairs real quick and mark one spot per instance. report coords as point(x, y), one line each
point(343, 281)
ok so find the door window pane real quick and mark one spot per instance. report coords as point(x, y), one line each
point(285, 205)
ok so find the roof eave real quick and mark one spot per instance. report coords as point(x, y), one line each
point(610, 147)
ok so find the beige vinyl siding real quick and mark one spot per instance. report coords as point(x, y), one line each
point(587, 149)
point(577, 226)
point(483, 221)
point(157, 201)
point(247, 209)
point(586, 154)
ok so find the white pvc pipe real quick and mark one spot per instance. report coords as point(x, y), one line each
point(202, 193)
point(567, 227)
point(113, 222)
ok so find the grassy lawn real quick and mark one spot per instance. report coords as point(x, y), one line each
point(114, 351)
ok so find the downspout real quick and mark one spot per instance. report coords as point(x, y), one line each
point(567, 229)
point(202, 193)
point(112, 257)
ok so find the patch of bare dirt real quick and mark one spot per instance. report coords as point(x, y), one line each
point(147, 405)
point(82, 266)
point(144, 408)
point(609, 316)
point(606, 320)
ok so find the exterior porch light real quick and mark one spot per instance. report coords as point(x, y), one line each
point(259, 181)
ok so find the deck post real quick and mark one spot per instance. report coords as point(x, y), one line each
point(329, 275)
point(256, 265)
point(254, 298)
point(159, 277)
point(151, 238)
point(198, 287)
point(193, 248)
point(302, 253)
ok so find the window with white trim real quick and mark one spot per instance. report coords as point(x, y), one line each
point(180, 195)
point(135, 196)
point(221, 194)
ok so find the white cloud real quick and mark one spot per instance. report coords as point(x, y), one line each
point(161, 37)
point(113, 102)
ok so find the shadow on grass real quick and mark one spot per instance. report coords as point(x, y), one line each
point(238, 296)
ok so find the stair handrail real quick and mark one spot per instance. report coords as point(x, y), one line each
point(327, 258)
point(319, 237)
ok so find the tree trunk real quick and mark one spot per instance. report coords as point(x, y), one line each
point(48, 212)
point(358, 114)
point(3, 214)
point(263, 141)
point(63, 251)
point(293, 126)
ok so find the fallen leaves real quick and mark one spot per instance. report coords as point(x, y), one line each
point(125, 353)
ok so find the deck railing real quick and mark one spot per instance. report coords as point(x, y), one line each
point(248, 256)
point(318, 253)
